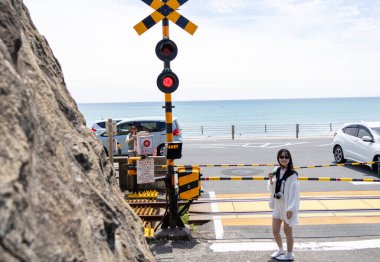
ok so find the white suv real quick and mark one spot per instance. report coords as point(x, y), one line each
point(358, 142)
point(156, 126)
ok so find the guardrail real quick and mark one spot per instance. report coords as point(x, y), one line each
point(262, 130)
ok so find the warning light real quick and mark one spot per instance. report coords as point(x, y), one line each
point(167, 82)
point(166, 50)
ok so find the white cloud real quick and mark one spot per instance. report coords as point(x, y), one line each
point(242, 49)
point(227, 6)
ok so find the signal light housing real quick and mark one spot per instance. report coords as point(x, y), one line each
point(167, 82)
point(166, 50)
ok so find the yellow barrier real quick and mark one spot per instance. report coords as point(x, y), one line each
point(342, 179)
point(296, 167)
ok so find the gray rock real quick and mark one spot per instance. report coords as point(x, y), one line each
point(58, 198)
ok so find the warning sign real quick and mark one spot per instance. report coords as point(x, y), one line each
point(145, 145)
point(145, 171)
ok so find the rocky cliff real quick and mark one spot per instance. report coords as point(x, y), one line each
point(58, 197)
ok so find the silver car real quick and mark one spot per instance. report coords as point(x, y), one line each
point(100, 125)
point(358, 142)
point(156, 127)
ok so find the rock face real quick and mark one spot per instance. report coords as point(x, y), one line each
point(58, 198)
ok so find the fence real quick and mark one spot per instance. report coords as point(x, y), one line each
point(234, 131)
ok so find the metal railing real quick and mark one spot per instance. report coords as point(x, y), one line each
point(234, 131)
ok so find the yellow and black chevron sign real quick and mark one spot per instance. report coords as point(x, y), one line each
point(165, 10)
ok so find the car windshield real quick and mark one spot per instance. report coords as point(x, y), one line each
point(376, 130)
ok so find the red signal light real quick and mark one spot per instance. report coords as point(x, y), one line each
point(166, 50)
point(167, 82)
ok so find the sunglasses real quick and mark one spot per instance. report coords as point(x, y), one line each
point(284, 157)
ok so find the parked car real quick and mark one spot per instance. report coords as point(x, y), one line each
point(155, 126)
point(100, 125)
point(358, 142)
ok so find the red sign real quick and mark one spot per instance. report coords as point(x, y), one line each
point(146, 143)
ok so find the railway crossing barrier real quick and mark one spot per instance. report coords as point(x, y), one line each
point(189, 183)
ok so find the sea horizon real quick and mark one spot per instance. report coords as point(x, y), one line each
point(242, 99)
point(248, 116)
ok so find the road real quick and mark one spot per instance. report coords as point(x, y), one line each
point(339, 221)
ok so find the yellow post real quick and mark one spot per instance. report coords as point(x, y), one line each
point(172, 219)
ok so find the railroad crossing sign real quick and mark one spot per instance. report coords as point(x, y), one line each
point(165, 10)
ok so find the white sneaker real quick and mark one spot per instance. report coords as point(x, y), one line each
point(278, 253)
point(287, 257)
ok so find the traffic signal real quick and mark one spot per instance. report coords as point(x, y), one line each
point(166, 50)
point(167, 81)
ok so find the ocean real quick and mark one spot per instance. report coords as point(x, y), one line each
point(249, 117)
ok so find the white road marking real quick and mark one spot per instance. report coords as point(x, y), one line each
point(247, 145)
point(219, 232)
point(211, 147)
point(326, 145)
point(307, 246)
point(365, 183)
point(287, 144)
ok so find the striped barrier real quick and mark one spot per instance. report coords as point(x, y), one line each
point(341, 179)
point(296, 167)
point(225, 213)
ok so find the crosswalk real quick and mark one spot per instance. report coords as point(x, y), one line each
point(299, 247)
point(316, 208)
point(237, 212)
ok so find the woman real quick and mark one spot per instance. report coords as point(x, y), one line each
point(284, 201)
point(132, 141)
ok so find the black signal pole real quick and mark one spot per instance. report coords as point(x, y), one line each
point(168, 83)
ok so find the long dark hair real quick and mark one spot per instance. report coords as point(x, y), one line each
point(286, 153)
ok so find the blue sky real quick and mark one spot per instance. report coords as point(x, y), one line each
point(243, 49)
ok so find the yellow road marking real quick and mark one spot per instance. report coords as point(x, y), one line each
point(306, 218)
point(374, 203)
point(346, 204)
point(332, 220)
point(306, 194)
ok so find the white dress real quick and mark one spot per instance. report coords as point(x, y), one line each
point(289, 202)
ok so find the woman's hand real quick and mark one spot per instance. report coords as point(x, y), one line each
point(270, 178)
point(289, 214)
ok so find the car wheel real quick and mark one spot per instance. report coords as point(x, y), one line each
point(338, 154)
point(161, 150)
point(376, 166)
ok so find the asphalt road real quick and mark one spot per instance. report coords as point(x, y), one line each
point(242, 240)
point(305, 152)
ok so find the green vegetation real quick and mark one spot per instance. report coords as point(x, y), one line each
point(185, 219)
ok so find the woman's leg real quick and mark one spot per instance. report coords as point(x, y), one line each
point(289, 237)
point(276, 226)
